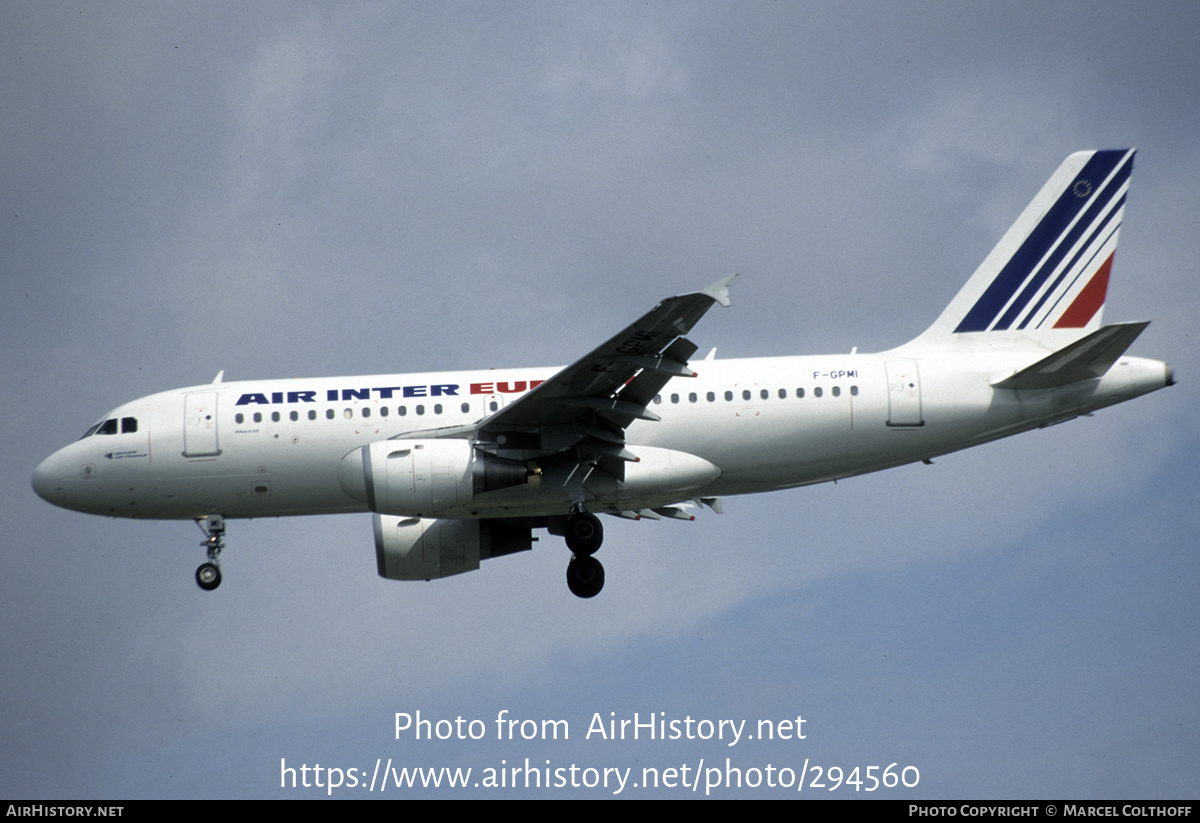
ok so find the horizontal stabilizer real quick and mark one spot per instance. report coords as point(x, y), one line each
point(1085, 359)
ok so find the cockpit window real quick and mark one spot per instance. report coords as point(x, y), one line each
point(126, 425)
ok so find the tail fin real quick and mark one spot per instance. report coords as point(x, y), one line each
point(1045, 281)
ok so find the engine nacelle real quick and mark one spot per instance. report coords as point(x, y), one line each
point(424, 478)
point(420, 548)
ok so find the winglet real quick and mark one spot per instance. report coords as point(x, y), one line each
point(719, 291)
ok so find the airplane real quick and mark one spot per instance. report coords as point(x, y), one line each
point(460, 467)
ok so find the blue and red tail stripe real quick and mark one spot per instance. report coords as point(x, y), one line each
point(1089, 301)
point(1092, 251)
point(1077, 225)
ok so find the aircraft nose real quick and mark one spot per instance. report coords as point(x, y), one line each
point(50, 480)
point(44, 480)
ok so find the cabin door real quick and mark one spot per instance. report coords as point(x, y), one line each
point(904, 393)
point(200, 424)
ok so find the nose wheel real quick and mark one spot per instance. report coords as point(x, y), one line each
point(208, 575)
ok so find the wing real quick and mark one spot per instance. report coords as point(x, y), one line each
point(581, 413)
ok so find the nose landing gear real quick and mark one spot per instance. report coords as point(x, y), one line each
point(208, 575)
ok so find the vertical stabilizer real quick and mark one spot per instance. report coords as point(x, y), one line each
point(1045, 281)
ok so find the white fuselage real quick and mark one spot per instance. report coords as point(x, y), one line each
point(277, 447)
point(460, 467)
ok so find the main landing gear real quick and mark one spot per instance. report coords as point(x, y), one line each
point(585, 575)
point(208, 575)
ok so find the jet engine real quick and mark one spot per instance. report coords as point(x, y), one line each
point(419, 548)
point(424, 478)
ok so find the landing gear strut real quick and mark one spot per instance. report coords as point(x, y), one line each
point(584, 533)
point(208, 575)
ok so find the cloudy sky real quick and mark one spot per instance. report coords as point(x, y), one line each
point(294, 189)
